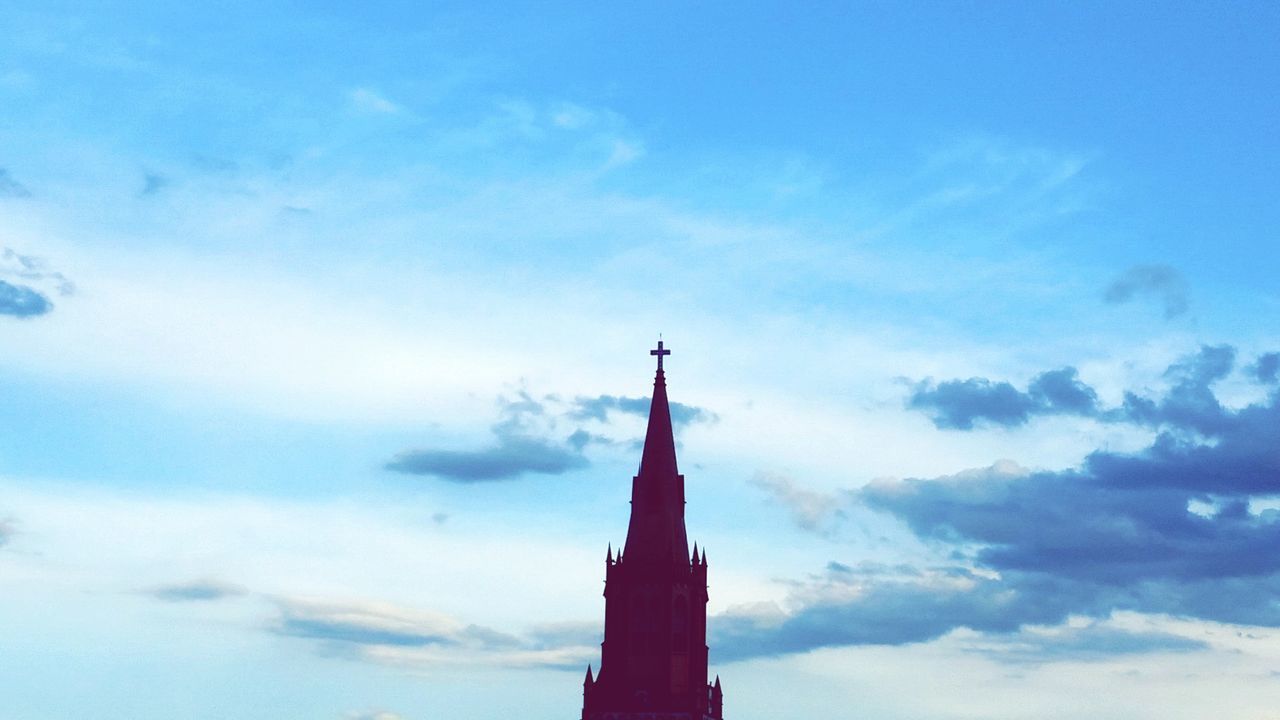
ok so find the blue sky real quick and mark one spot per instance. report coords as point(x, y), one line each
point(323, 333)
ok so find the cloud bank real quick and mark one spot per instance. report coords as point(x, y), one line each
point(1170, 530)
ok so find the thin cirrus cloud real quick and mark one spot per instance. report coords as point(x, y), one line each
point(1092, 642)
point(381, 632)
point(196, 591)
point(1160, 282)
point(373, 623)
point(1169, 530)
point(810, 510)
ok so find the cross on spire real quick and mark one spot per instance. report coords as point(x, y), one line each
point(659, 352)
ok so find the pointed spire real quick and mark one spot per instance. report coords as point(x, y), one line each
point(717, 681)
point(656, 532)
point(589, 679)
point(659, 455)
point(695, 554)
point(608, 555)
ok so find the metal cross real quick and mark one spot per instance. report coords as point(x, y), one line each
point(659, 352)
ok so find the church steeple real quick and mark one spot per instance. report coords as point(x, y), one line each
point(657, 531)
point(654, 656)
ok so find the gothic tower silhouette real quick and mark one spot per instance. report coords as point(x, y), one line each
point(653, 661)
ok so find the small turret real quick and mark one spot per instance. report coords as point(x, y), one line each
point(590, 680)
point(608, 555)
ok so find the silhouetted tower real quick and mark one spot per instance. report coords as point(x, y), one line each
point(654, 655)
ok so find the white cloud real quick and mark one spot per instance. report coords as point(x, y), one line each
point(368, 100)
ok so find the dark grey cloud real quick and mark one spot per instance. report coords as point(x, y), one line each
point(511, 457)
point(196, 590)
point(515, 452)
point(960, 404)
point(1170, 530)
point(1189, 404)
point(599, 407)
point(10, 187)
point(1266, 369)
point(1160, 282)
point(840, 609)
point(21, 301)
point(1119, 532)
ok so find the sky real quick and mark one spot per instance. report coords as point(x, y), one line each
point(324, 333)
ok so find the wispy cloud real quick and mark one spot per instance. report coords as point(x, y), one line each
point(384, 633)
point(528, 439)
point(196, 591)
point(11, 188)
point(515, 453)
point(376, 623)
point(1092, 642)
point(31, 269)
point(372, 715)
point(368, 100)
point(810, 510)
point(599, 408)
point(1161, 282)
point(153, 183)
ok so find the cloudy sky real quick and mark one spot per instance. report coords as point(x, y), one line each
point(324, 332)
